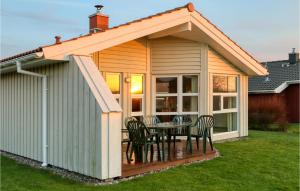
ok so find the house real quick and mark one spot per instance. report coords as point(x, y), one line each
point(64, 104)
point(280, 88)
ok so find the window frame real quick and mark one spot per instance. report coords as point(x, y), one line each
point(140, 96)
point(227, 94)
point(222, 110)
point(179, 95)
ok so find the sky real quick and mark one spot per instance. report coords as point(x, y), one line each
point(267, 29)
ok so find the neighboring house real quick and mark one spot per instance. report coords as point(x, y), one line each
point(69, 109)
point(280, 88)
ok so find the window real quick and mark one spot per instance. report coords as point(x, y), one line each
point(137, 95)
point(225, 122)
point(113, 81)
point(229, 102)
point(166, 104)
point(225, 103)
point(166, 85)
point(224, 84)
point(176, 95)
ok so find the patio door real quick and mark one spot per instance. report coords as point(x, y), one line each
point(129, 90)
point(136, 95)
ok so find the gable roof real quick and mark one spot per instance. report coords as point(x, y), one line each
point(281, 74)
point(87, 44)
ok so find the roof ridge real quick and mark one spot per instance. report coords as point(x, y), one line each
point(188, 6)
point(275, 61)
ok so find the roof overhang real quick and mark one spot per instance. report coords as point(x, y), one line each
point(183, 22)
point(30, 59)
point(278, 90)
point(33, 60)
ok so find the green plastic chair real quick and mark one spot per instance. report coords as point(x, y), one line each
point(141, 137)
point(151, 120)
point(203, 126)
point(127, 140)
point(178, 119)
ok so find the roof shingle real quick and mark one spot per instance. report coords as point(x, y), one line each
point(279, 72)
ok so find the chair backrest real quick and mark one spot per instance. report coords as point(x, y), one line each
point(151, 120)
point(179, 119)
point(182, 119)
point(137, 132)
point(127, 119)
point(204, 122)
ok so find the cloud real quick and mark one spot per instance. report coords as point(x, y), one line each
point(39, 17)
point(62, 2)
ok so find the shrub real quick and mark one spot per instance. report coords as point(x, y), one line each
point(267, 114)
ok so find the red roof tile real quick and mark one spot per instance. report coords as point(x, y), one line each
point(22, 54)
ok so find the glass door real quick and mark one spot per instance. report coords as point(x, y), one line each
point(137, 95)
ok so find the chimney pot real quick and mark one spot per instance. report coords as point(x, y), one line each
point(293, 57)
point(57, 40)
point(98, 21)
point(99, 7)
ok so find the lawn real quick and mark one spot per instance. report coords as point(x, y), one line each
point(264, 161)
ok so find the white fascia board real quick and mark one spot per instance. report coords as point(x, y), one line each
point(284, 85)
point(99, 41)
point(279, 89)
point(112, 37)
point(219, 37)
point(22, 59)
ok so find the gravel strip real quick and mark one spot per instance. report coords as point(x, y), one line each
point(86, 179)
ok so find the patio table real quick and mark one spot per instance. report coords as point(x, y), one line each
point(166, 128)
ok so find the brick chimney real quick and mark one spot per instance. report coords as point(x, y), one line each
point(98, 21)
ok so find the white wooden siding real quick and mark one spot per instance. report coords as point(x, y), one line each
point(175, 55)
point(21, 115)
point(243, 121)
point(128, 57)
point(74, 120)
point(218, 64)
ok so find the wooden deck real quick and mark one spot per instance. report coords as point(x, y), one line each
point(177, 156)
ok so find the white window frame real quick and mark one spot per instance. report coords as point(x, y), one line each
point(222, 95)
point(229, 94)
point(142, 96)
point(179, 95)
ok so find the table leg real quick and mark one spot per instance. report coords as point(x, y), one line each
point(190, 140)
point(169, 143)
point(204, 142)
point(163, 145)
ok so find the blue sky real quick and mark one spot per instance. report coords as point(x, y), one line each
point(267, 29)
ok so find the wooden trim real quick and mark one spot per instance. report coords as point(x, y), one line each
point(253, 66)
point(97, 84)
point(110, 38)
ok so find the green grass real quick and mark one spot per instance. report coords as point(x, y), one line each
point(264, 161)
point(294, 128)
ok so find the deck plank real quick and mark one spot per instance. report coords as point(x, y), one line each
point(177, 156)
